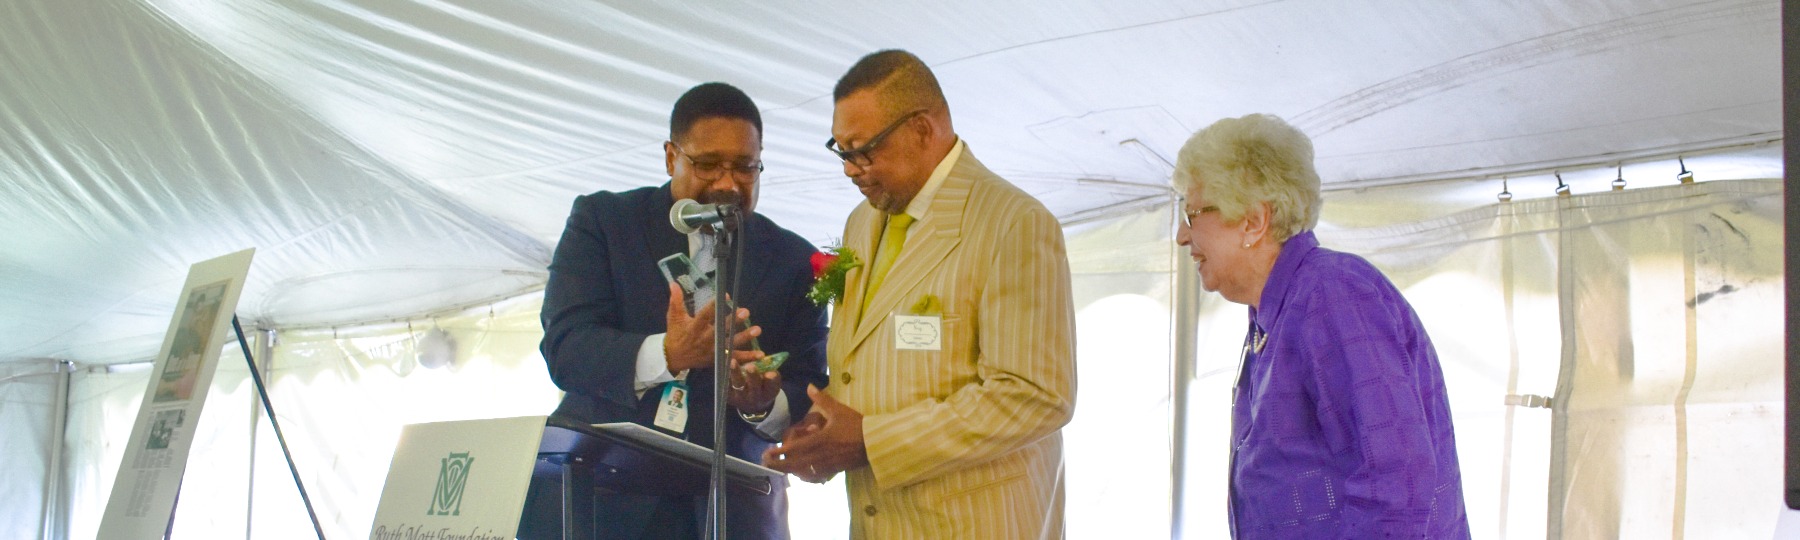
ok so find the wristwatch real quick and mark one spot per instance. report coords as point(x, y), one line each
point(754, 418)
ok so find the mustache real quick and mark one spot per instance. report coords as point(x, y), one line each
point(722, 197)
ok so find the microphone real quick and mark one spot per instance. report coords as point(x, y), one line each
point(689, 215)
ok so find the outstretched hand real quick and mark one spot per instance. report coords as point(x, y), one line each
point(688, 343)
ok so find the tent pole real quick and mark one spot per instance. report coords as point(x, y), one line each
point(265, 350)
point(49, 525)
point(262, 351)
point(1790, 211)
point(1186, 305)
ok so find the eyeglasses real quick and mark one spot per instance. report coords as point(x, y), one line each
point(860, 156)
point(1187, 216)
point(741, 172)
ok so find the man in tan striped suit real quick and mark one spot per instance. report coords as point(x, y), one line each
point(952, 351)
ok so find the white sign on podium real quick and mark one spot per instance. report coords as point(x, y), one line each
point(462, 480)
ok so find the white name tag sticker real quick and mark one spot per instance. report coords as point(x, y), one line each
point(918, 333)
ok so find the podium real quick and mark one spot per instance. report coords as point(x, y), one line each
point(490, 464)
point(630, 458)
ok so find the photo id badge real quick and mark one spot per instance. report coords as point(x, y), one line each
point(671, 410)
point(918, 332)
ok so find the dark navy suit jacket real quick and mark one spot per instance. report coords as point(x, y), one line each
point(605, 295)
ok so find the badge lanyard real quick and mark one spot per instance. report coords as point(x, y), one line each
point(672, 407)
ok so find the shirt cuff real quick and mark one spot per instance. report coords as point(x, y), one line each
point(652, 366)
point(778, 419)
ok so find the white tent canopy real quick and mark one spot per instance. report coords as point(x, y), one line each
point(391, 159)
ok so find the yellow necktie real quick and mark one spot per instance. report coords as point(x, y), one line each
point(892, 238)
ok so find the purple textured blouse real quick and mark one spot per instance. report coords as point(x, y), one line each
point(1340, 423)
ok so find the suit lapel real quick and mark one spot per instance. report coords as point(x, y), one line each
point(654, 239)
point(752, 273)
point(657, 237)
point(930, 242)
point(861, 236)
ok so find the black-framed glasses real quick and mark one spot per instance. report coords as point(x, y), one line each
point(742, 172)
point(860, 156)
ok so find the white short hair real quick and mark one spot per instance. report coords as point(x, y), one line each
point(1239, 162)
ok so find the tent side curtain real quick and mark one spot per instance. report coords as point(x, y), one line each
point(1650, 316)
point(30, 395)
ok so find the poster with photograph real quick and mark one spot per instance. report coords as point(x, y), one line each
point(149, 477)
point(199, 314)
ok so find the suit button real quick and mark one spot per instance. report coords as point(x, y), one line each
point(846, 380)
point(869, 510)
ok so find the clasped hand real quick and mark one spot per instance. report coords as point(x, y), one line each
point(828, 441)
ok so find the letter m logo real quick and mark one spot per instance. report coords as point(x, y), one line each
point(453, 474)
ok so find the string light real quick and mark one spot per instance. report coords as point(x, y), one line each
point(1618, 184)
point(1686, 176)
point(1505, 195)
point(1562, 189)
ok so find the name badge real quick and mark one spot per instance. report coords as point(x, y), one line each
point(671, 410)
point(918, 332)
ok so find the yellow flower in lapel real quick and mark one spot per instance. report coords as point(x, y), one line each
point(928, 305)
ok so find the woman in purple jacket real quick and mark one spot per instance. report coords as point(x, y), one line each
point(1340, 423)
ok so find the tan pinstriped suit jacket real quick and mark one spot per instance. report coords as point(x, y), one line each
point(963, 442)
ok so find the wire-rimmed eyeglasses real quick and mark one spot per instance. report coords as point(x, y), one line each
point(1187, 216)
point(741, 172)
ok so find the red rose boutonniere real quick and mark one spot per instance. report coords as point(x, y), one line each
point(829, 267)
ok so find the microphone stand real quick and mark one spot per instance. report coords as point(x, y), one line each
point(724, 234)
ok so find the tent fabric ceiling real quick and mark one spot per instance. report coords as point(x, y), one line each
point(392, 159)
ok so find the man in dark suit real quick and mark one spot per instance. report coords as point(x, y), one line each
point(620, 343)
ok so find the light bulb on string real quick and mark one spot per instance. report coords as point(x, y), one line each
point(1505, 195)
point(437, 350)
point(1562, 189)
point(1618, 184)
point(1685, 176)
